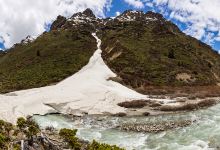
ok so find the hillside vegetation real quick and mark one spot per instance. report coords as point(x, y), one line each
point(143, 49)
point(52, 57)
point(157, 53)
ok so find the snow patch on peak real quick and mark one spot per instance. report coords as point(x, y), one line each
point(28, 39)
point(131, 15)
point(81, 18)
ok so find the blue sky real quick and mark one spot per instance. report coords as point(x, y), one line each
point(198, 18)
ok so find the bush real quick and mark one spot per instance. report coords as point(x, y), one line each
point(65, 133)
point(69, 136)
point(171, 54)
point(98, 146)
point(32, 131)
point(2, 124)
point(21, 123)
point(2, 141)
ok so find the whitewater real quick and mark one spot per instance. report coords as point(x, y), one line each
point(203, 134)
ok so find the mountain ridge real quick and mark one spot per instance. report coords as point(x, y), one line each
point(143, 49)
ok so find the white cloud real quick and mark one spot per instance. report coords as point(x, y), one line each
point(201, 16)
point(135, 3)
point(117, 13)
point(20, 18)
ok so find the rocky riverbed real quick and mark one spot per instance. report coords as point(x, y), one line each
point(155, 127)
point(200, 131)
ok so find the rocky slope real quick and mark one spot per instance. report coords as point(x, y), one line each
point(146, 51)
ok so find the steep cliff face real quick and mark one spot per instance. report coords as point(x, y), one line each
point(143, 49)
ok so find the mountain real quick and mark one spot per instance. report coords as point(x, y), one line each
point(144, 49)
point(50, 58)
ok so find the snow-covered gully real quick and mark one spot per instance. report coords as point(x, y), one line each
point(87, 91)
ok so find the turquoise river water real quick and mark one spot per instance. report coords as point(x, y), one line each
point(204, 134)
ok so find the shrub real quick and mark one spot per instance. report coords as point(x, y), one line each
point(32, 131)
point(171, 54)
point(2, 141)
point(31, 122)
point(98, 146)
point(69, 136)
point(2, 124)
point(67, 132)
point(38, 53)
point(21, 123)
point(8, 127)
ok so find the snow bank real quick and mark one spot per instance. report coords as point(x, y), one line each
point(87, 91)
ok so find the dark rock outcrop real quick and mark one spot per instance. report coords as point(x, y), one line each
point(58, 23)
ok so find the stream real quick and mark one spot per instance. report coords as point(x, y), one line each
point(204, 134)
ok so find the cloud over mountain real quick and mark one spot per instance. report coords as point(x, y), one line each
point(30, 17)
point(201, 17)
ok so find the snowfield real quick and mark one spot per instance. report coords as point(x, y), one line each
point(87, 91)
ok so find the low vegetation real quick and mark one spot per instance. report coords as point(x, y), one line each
point(100, 146)
point(28, 131)
point(49, 59)
point(11, 135)
point(70, 137)
point(191, 92)
point(153, 54)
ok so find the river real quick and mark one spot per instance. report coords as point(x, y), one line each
point(202, 134)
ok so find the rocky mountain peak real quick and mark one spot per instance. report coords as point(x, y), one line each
point(154, 15)
point(88, 12)
point(27, 40)
point(80, 19)
point(87, 19)
point(130, 15)
point(58, 23)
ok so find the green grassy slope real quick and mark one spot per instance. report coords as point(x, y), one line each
point(154, 54)
point(49, 59)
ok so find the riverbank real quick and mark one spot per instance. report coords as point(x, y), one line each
point(202, 134)
point(26, 135)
